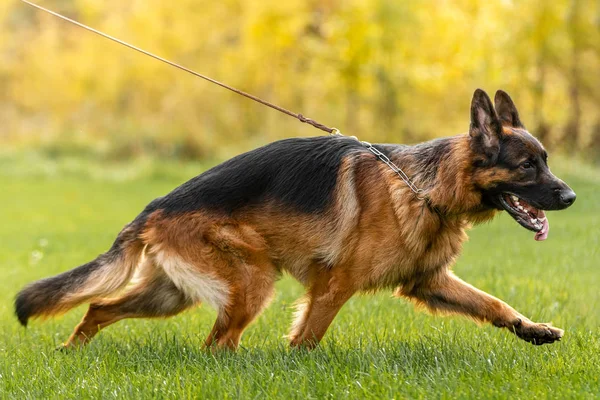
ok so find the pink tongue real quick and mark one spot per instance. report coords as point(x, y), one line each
point(543, 234)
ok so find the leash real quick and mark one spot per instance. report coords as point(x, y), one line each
point(332, 131)
point(300, 117)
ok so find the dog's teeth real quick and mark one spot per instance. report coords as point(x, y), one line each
point(534, 221)
point(520, 208)
point(515, 198)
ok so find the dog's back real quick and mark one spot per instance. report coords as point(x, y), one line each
point(300, 173)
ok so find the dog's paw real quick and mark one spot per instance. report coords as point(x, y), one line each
point(62, 348)
point(69, 346)
point(537, 333)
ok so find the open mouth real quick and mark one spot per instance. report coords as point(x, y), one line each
point(526, 215)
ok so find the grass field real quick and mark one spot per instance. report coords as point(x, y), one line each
point(57, 215)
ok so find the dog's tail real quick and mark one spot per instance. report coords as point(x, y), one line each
point(101, 277)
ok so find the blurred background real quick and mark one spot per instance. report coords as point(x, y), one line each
point(383, 70)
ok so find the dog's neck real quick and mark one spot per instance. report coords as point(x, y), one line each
point(442, 168)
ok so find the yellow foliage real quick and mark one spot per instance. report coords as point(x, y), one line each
point(383, 70)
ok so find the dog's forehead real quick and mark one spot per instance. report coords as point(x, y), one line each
point(522, 142)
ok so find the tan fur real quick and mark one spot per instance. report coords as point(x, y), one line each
point(105, 282)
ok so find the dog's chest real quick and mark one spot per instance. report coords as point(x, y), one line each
point(441, 248)
point(419, 254)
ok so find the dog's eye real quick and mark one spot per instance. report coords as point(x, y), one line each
point(527, 165)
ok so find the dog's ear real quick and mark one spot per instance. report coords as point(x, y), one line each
point(486, 129)
point(507, 111)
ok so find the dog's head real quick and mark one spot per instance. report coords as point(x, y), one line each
point(510, 165)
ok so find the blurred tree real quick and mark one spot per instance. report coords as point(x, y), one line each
point(383, 70)
point(575, 29)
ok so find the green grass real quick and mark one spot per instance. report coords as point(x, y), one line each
point(57, 215)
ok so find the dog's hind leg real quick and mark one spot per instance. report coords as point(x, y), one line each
point(153, 295)
point(246, 303)
point(248, 297)
point(447, 293)
point(240, 254)
point(326, 296)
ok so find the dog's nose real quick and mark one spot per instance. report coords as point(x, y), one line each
point(567, 197)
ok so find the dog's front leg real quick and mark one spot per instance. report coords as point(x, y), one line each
point(447, 293)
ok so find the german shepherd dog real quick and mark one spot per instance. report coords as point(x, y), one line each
point(331, 214)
